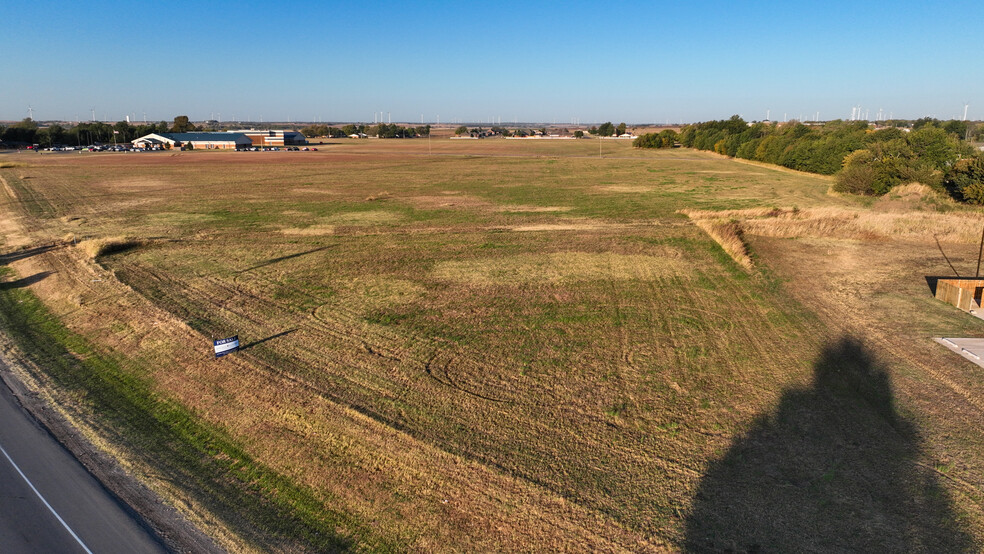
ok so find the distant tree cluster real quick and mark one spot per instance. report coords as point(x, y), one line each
point(28, 132)
point(865, 161)
point(663, 139)
point(312, 131)
point(607, 129)
point(392, 130)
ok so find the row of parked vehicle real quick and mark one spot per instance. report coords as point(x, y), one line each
point(278, 149)
point(91, 148)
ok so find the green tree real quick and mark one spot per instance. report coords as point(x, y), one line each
point(936, 146)
point(966, 179)
point(579, 134)
point(25, 132)
point(125, 131)
point(606, 129)
point(182, 125)
point(461, 130)
point(620, 130)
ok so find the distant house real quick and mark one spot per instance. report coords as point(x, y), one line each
point(199, 141)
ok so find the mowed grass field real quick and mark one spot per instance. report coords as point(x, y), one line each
point(515, 345)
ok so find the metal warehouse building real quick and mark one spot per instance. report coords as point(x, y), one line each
point(200, 141)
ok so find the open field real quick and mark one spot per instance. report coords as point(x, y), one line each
point(506, 345)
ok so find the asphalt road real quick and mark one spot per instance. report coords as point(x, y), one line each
point(49, 502)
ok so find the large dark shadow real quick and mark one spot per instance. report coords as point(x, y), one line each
point(11, 257)
point(832, 469)
point(26, 281)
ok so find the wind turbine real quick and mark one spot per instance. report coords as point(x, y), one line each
point(966, 105)
point(93, 110)
point(30, 112)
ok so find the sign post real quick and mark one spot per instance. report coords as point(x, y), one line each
point(226, 346)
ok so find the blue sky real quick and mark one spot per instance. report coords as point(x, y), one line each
point(530, 61)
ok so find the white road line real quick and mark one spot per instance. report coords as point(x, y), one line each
point(52, 510)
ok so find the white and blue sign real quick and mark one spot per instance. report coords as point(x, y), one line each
point(226, 346)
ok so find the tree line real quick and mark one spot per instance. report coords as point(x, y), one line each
point(382, 130)
point(85, 133)
point(864, 160)
point(606, 129)
point(81, 134)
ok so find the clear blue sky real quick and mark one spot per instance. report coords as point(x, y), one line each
point(532, 61)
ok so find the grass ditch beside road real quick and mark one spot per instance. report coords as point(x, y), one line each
point(274, 512)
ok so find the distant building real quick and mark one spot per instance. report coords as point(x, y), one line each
point(199, 141)
point(272, 138)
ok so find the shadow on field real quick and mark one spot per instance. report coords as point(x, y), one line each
point(833, 468)
point(271, 337)
point(26, 281)
point(7, 259)
point(287, 257)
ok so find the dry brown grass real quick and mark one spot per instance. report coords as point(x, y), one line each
point(462, 201)
point(634, 189)
point(562, 267)
point(853, 223)
point(313, 230)
point(372, 217)
point(535, 209)
point(107, 245)
point(727, 233)
point(378, 196)
point(566, 226)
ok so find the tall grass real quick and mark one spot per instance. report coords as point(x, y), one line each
point(850, 224)
point(107, 245)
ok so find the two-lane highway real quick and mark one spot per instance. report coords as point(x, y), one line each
point(49, 502)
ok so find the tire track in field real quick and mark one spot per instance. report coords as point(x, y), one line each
point(330, 322)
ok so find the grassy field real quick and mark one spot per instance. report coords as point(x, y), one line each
point(506, 345)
